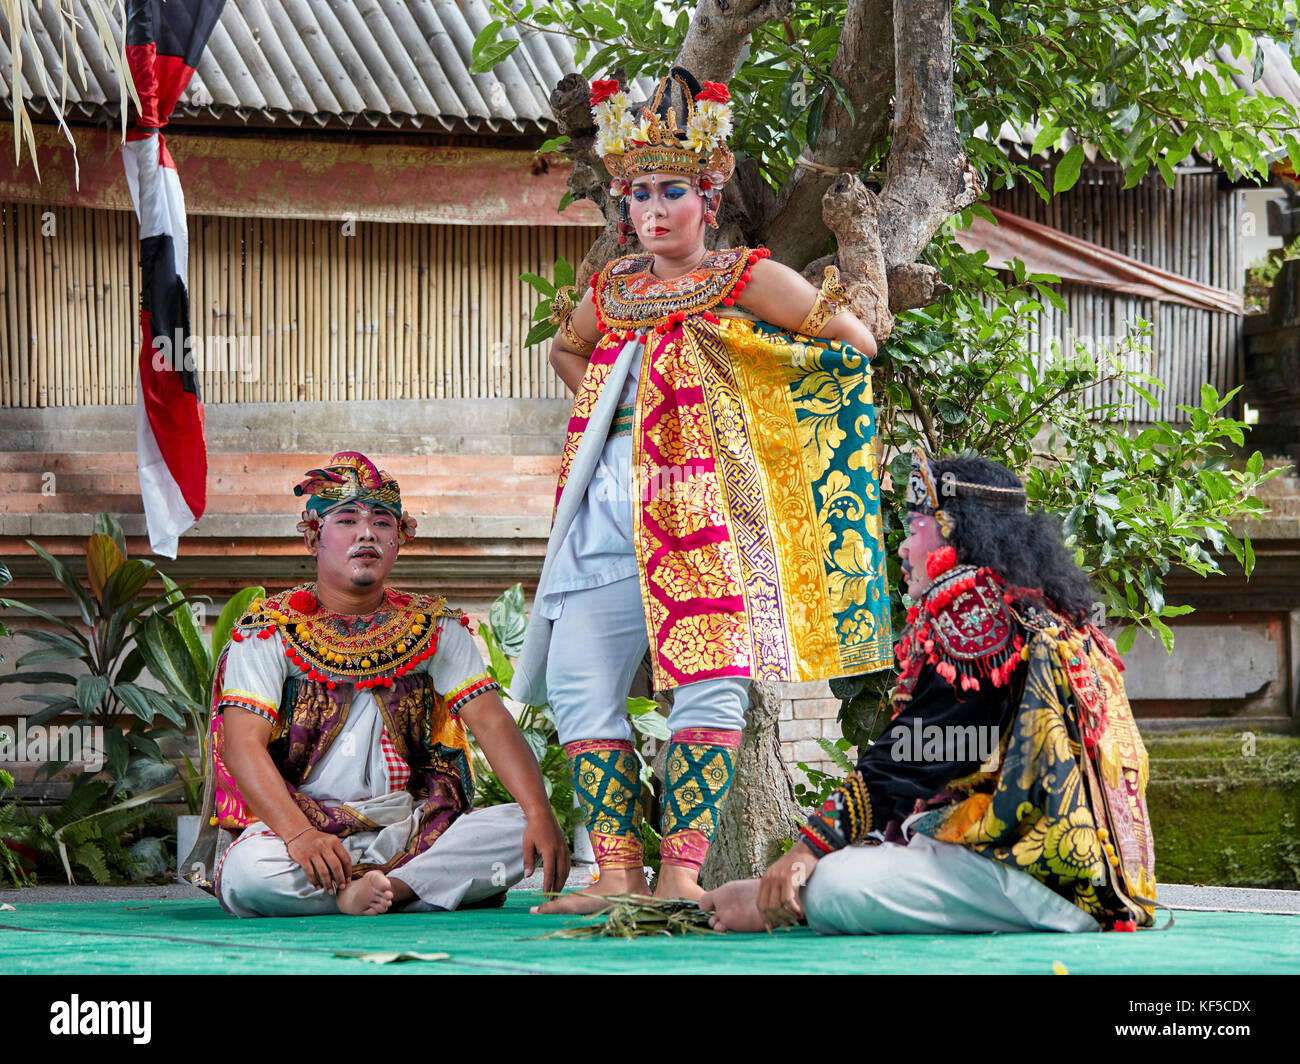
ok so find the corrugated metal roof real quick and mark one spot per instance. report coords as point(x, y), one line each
point(325, 62)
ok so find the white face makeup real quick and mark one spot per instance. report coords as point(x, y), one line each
point(923, 539)
point(358, 545)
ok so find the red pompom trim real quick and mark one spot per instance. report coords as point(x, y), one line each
point(303, 602)
point(939, 562)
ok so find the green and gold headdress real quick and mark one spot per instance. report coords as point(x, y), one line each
point(351, 477)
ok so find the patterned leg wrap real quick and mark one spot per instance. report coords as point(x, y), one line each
point(608, 782)
point(700, 764)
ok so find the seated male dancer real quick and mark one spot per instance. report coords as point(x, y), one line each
point(345, 706)
point(1009, 793)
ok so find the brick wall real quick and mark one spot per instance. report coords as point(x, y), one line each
point(809, 712)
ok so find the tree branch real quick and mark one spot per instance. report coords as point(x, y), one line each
point(927, 177)
point(851, 212)
point(720, 30)
point(864, 65)
point(927, 422)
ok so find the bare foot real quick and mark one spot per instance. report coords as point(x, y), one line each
point(592, 899)
point(370, 895)
point(734, 907)
point(679, 883)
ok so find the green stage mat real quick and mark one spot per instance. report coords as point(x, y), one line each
point(196, 937)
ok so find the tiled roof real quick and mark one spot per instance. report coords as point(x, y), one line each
point(328, 63)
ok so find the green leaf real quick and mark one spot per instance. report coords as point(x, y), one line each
point(1047, 137)
point(106, 525)
point(602, 19)
point(54, 707)
point(117, 750)
point(1067, 170)
point(233, 610)
point(131, 667)
point(1124, 643)
point(69, 582)
point(125, 584)
point(508, 619)
point(543, 330)
point(563, 273)
point(38, 678)
point(166, 708)
point(1166, 170)
point(168, 659)
point(76, 648)
point(1165, 632)
point(836, 754)
point(135, 700)
point(536, 740)
point(653, 725)
point(951, 412)
point(492, 55)
point(14, 604)
point(554, 144)
point(540, 283)
point(639, 707)
point(1155, 595)
point(90, 692)
point(43, 657)
point(500, 666)
point(183, 621)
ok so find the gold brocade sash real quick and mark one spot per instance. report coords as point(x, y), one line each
point(756, 516)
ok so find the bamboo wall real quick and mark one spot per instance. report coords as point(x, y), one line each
point(1190, 229)
point(299, 311)
point(287, 310)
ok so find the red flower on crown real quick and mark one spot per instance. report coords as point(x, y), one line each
point(716, 91)
point(602, 91)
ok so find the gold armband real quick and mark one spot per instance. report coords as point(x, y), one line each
point(829, 302)
point(562, 308)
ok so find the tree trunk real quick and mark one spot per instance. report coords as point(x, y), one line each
point(760, 813)
point(895, 63)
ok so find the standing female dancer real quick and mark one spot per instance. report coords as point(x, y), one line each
point(718, 495)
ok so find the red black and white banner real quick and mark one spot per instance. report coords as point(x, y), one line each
point(164, 40)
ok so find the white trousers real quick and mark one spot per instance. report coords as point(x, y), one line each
point(930, 887)
point(480, 854)
point(597, 642)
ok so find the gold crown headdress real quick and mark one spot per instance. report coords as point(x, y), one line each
point(655, 143)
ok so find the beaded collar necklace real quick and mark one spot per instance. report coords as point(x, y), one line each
point(629, 296)
point(368, 651)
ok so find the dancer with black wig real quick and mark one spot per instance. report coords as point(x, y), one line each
point(1045, 827)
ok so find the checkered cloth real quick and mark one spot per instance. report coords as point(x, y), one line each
point(399, 772)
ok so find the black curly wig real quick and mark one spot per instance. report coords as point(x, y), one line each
point(1024, 549)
